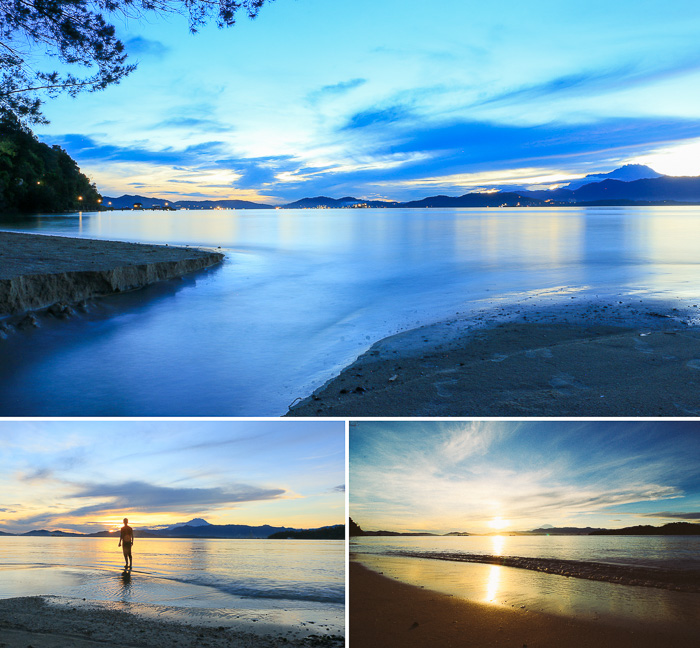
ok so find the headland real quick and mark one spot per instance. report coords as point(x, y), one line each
point(39, 272)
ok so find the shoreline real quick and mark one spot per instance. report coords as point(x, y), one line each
point(387, 612)
point(678, 580)
point(583, 358)
point(49, 622)
point(39, 272)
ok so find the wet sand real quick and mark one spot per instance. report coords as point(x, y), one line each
point(680, 580)
point(387, 613)
point(598, 359)
point(38, 271)
point(34, 621)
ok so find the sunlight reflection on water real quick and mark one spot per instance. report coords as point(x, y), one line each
point(548, 593)
point(206, 573)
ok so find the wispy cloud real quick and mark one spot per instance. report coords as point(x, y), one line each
point(335, 89)
point(195, 124)
point(378, 116)
point(588, 82)
point(144, 498)
point(457, 476)
point(87, 148)
point(674, 515)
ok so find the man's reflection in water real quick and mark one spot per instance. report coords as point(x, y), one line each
point(125, 585)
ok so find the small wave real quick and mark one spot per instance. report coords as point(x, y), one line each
point(678, 580)
point(330, 593)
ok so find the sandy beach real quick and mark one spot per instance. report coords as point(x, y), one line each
point(386, 613)
point(42, 622)
point(622, 358)
point(38, 272)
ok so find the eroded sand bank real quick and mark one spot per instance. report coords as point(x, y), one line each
point(35, 621)
point(38, 271)
point(387, 613)
point(597, 359)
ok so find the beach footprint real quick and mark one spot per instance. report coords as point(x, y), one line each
point(443, 388)
point(565, 383)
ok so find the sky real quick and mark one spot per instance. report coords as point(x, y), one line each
point(392, 99)
point(86, 476)
point(500, 476)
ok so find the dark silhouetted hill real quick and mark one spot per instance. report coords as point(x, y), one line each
point(561, 531)
point(239, 531)
point(35, 177)
point(335, 532)
point(128, 201)
point(45, 532)
point(199, 528)
point(491, 199)
point(354, 529)
point(339, 203)
point(672, 528)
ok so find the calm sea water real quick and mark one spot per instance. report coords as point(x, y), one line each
point(238, 574)
point(659, 552)
point(303, 292)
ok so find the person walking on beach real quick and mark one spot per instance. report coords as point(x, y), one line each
point(126, 539)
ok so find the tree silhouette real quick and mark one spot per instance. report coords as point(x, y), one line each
point(80, 34)
point(35, 177)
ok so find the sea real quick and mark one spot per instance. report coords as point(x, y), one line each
point(668, 553)
point(302, 293)
point(433, 563)
point(279, 581)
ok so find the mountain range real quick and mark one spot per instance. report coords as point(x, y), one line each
point(632, 184)
point(199, 528)
point(672, 528)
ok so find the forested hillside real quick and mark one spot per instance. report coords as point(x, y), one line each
point(35, 177)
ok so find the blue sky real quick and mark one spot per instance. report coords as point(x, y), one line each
point(88, 475)
point(489, 476)
point(392, 99)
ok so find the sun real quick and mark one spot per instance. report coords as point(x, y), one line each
point(499, 523)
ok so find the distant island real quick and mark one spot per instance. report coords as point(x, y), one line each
point(672, 528)
point(199, 528)
point(632, 184)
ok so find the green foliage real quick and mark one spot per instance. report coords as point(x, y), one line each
point(80, 35)
point(37, 178)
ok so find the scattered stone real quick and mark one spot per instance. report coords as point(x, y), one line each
point(28, 321)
